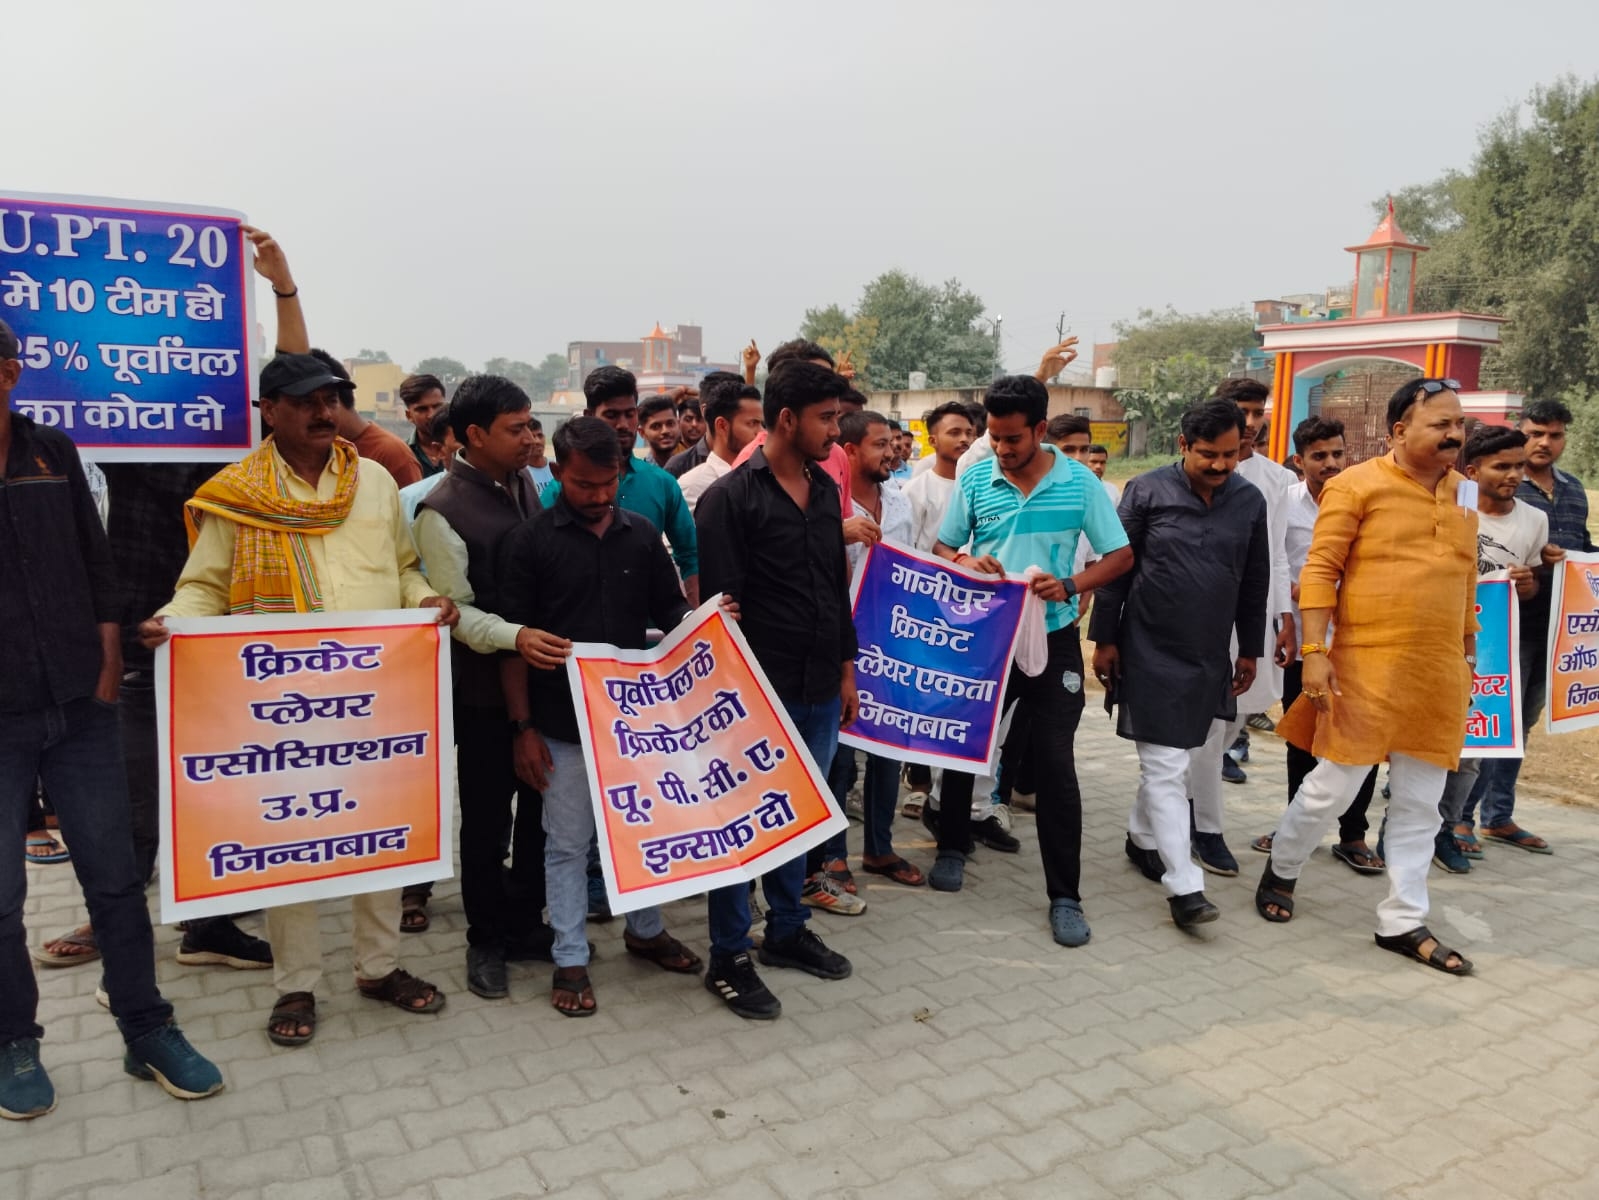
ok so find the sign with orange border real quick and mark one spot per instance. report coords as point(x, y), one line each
point(699, 779)
point(1574, 645)
point(303, 756)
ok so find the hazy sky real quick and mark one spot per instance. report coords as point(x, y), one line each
point(480, 179)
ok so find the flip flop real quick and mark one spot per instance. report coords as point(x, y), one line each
point(898, 870)
point(58, 852)
point(299, 1007)
point(1362, 862)
point(576, 987)
point(1515, 835)
point(81, 936)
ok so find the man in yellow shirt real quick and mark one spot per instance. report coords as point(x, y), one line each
point(1394, 552)
point(298, 526)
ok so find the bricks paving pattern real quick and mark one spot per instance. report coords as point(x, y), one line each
point(968, 1056)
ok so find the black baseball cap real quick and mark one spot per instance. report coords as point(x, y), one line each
point(9, 346)
point(298, 375)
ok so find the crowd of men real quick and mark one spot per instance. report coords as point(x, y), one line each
point(768, 498)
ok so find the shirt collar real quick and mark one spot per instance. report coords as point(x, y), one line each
point(564, 516)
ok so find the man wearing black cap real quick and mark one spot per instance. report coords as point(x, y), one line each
point(357, 555)
point(58, 721)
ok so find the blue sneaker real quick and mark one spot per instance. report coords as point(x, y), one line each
point(25, 1090)
point(165, 1056)
point(1067, 922)
point(948, 873)
point(599, 902)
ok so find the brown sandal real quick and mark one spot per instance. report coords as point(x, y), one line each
point(296, 1009)
point(896, 869)
point(82, 936)
point(665, 951)
point(414, 911)
point(402, 989)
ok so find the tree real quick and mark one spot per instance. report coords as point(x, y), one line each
point(549, 377)
point(524, 375)
point(1175, 384)
point(1526, 244)
point(450, 370)
point(374, 356)
point(1155, 338)
point(903, 324)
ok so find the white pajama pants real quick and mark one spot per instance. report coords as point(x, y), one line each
point(1204, 774)
point(1159, 820)
point(1415, 789)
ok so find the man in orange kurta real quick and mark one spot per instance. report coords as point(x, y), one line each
point(1392, 565)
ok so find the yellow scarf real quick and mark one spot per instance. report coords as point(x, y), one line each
point(272, 569)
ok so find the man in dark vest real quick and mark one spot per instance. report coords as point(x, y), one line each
point(458, 529)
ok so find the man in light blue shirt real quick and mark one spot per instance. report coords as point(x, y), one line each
point(1027, 506)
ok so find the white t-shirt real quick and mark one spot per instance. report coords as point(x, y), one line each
point(694, 481)
point(897, 523)
point(929, 495)
point(1514, 539)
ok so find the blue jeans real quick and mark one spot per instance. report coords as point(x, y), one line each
point(879, 798)
point(1495, 790)
point(76, 749)
point(728, 908)
point(568, 830)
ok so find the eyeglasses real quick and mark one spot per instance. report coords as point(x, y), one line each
point(1432, 387)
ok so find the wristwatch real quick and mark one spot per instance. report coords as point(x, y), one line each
point(1471, 660)
point(523, 726)
point(1070, 585)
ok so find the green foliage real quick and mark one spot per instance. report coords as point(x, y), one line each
point(1175, 385)
point(449, 370)
point(1154, 339)
point(375, 356)
point(904, 324)
point(1582, 439)
point(1526, 241)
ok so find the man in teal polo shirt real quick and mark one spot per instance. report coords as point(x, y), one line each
point(611, 394)
point(1027, 506)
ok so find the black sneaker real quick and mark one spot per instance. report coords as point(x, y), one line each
point(992, 834)
point(1148, 862)
point(1213, 854)
point(733, 978)
point(217, 941)
point(1231, 772)
point(804, 951)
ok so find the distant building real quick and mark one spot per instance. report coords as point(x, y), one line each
point(662, 359)
point(377, 386)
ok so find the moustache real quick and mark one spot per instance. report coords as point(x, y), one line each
point(1449, 444)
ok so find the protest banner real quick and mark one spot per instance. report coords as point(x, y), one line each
point(302, 757)
point(1574, 645)
point(698, 777)
point(1493, 725)
point(936, 644)
point(136, 322)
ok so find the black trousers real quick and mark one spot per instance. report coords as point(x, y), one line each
point(140, 749)
point(1352, 824)
point(1052, 703)
point(502, 905)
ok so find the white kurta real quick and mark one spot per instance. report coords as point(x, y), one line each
point(1276, 483)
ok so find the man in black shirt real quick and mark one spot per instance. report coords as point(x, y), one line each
point(586, 571)
point(59, 641)
point(772, 539)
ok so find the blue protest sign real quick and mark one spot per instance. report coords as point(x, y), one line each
point(936, 645)
point(1493, 726)
point(136, 323)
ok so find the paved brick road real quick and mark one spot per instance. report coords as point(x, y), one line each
point(967, 1057)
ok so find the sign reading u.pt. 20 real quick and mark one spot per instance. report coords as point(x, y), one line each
point(135, 323)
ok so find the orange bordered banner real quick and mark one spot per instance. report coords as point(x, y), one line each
point(698, 777)
point(303, 757)
point(1574, 645)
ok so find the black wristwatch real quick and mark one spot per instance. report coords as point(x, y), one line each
point(1070, 586)
point(523, 726)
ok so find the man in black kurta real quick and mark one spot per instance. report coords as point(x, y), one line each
point(1163, 631)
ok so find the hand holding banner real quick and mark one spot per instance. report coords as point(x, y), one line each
point(303, 757)
point(936, 648)
point(698, 777)
point(1574, 645)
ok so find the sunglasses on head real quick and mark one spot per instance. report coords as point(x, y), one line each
point(1431, 387)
